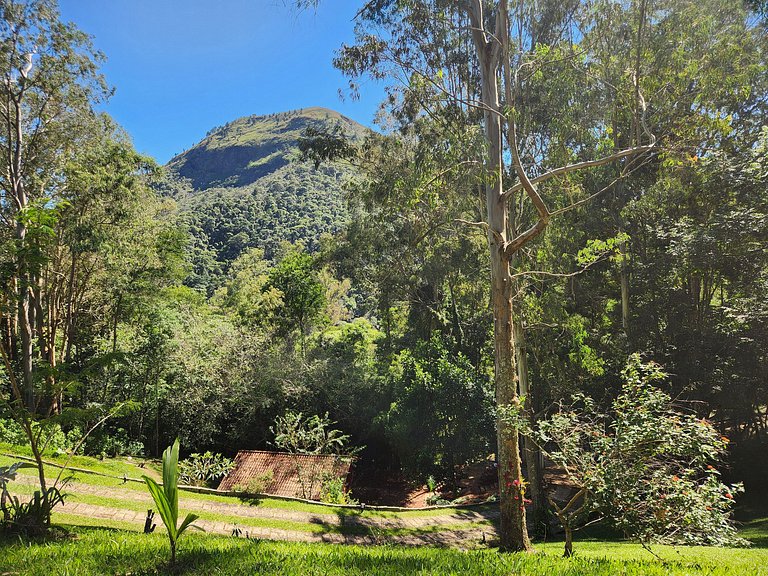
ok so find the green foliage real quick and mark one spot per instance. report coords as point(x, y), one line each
point(441, 416)
point(646, 466)
point(333, 491)
point(243, 187)
point(247, 293)
point(321, 146)
point(311, 435)
point(302, 294)
point(167, 498)
point(50, 433)
point(9, 506)
point(205, 469)
point(113, 443)
point(31, 517)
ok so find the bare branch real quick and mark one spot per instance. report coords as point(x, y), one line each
point(511, 247)
point(579, 166)
point(578, 203)
point(563, 274)
point(481, 224)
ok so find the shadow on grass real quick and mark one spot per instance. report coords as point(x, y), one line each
point(189, 561)
point(55, 534)
point(250, 499)
point(756, 531)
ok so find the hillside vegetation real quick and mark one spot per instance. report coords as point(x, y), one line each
point(244, 186)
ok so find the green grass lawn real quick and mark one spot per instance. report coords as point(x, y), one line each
point(97, 551)
point(90, 546)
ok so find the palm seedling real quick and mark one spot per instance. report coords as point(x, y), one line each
point(167, 498)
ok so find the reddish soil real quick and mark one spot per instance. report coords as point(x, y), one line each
point(476, 483)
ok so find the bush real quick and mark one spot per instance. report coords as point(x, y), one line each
point(332, 491)
point(647, 466)
point(113, 444)
point(206, 469)
point(53, 437)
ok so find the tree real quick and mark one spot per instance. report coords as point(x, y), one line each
point(465, 58)
point(441, 416)
point(646, 467)
point(48, 86)
point(303, 296)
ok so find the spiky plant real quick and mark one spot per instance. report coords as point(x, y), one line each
point(167, 498)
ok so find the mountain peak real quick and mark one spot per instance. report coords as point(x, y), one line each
point(252, 147)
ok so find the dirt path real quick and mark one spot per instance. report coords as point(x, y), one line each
point(459, 530)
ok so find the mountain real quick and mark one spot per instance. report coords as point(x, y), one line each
point(244, 186)
point(250, 148)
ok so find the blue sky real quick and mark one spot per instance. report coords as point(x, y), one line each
point(180, 67)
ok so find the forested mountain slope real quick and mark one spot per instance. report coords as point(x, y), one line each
point(244, 186)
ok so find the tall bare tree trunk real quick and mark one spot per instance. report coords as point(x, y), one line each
point(25, 313)
point(514, 531)
point(625, 289)
point(24, 309)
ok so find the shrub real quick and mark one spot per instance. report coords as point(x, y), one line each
point(113, 444)
point(647, 466)
point(27, 517)
point(206, 469)
point(52, 436)
point(332, 491)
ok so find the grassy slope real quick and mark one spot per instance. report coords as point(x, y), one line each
point(131, 469)
point(112, 547)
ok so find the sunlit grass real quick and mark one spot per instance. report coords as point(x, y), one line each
point(120, 467)
point(88, 551)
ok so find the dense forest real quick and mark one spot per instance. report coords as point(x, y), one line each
point(298, 262)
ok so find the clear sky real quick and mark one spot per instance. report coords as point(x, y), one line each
point(181, 67)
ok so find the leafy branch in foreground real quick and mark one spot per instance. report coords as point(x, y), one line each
point(167, 498)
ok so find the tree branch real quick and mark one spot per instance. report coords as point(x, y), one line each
point(578, 166)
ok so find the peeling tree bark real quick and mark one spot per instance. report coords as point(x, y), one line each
point(514, 531)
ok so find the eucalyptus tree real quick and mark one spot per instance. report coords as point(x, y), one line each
point(49, 83)
point(483, 56)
